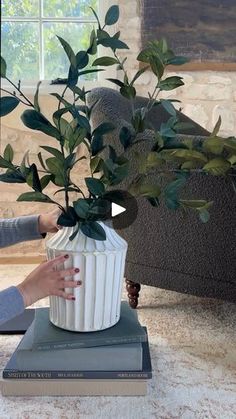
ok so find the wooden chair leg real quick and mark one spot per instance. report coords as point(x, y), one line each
point(133, 289)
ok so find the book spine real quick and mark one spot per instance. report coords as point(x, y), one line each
point(90, 344)
point(11, 374)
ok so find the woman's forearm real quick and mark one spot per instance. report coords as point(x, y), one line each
point(15, 230)
point(11, 304)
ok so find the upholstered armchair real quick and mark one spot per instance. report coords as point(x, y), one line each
point(166, 248)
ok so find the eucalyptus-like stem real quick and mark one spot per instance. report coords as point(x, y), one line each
point(126, 75)
point(12, 94)
point(21, 93)
point(79, 190)
point(62, 97)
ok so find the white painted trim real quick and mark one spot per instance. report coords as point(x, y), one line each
point(46, 88)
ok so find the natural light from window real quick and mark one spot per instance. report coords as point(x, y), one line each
point(29, 43)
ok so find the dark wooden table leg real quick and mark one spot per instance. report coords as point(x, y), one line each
point(133, 289)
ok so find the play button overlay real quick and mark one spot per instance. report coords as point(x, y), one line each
point(124, 209)
point(116, 209)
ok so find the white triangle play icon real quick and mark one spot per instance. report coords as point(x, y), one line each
point(116, 209)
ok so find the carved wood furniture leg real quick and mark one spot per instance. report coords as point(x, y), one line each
point(133, 289)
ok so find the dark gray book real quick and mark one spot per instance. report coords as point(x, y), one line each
point(122, 357)
point(47, 336)
point(19, 324)
point(12, 371)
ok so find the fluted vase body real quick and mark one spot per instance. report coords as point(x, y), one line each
point(101, 263)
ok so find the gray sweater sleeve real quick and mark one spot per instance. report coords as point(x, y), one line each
point(11, 304)
point(15, 230)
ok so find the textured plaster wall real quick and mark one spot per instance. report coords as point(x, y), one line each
point(205, 96)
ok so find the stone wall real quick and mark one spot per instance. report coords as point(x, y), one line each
point(205, 96)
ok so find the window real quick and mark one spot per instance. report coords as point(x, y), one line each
point(29, 43)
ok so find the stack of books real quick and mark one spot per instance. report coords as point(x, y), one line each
point(51, 361)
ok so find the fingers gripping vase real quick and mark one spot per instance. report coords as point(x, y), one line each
point(101, 263)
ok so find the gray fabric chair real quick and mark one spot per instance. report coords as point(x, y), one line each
point(166, 248)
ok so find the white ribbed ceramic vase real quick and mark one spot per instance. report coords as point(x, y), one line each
point(101, 263)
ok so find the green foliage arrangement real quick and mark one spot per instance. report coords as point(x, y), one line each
point(214, 156)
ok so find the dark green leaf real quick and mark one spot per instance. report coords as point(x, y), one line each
point(6, 163)
point(41, 161)
point(83, 122)
point(112, 15)
point(138, 74)
point(97, 145)
point(96, 164)
point(82, 59)
point(12, 177)
point(144, 56)
point(195, 203)
point(189, 155)
point(170, 83)
point(105, 61)
point(101, 208)
point(230, 144)
point(70, 160)
point(35, 196)
point(73, 235)
point(177, 60)
point(54, 151)
point(157, 66)
point(213, 145)
point(103, 128)
point(216, 127)
point(68, 219)
point(172, 202)
point(117, 82)
point(36, 121)
point(138, 120)
point(8, 104)
point(112, 153)
point(125, 137)
point(45, 181)
point(204, 216)
point(36, 98)
point(73, 76)
point(58, 114)
point(113, 43)
point(81, 207)
point(172, 187)
point(92, 70)
point(54, 165)
point(96, 16)
point(95, 186)
point(101, 34)
point(8, 153)
point(69, 51)
point(34, 182)
point(61, 99)
point(180, 126)
point(167, 105)
point(92, 49)
point(128, 91)
point(93, 230)
point(217, 166)
point(154, 201)
point(3, 68)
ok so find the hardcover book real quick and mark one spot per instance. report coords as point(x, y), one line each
point(73, 387)
point(12, 371)
point(47, 336)
point(122, 357)
point(19, 324)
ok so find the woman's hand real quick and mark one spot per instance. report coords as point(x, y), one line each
point(48, 221)
point(45, 280)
